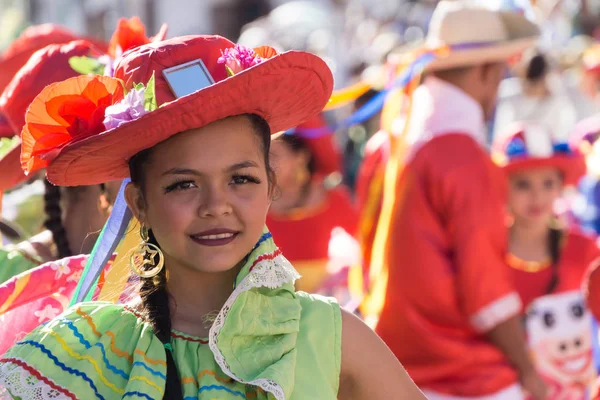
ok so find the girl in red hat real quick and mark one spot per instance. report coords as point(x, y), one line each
point(189, 122)
point(21, 81)
point(311, 202)
point(547, 261)
point(30, 295)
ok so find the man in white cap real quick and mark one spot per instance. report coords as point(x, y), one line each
point(447, 307)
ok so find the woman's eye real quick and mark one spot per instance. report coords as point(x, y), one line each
point(184, 185)
point(243, 179)
point(549, 184)
point(522, 185)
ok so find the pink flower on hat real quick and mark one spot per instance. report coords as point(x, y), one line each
point(240, 58)
point(128, 109)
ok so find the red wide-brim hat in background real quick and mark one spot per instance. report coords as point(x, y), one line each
point(16, 55)
point(49, 65)
point(46, 66)
point(326, 156)
point(529, 145)
point(285, 89)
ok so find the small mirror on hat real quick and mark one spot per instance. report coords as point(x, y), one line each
point(188, 78)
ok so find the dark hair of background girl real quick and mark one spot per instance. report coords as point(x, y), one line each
point(296, 145)
point(554, 244)
point(53, 220)
point(537, 67)
point(154, 294)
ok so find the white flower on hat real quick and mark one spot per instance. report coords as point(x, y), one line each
point(538, 140)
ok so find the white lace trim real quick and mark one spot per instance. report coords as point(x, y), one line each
point(267, 273)
point(24, 385)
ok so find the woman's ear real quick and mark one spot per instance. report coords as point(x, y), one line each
point(136, 202)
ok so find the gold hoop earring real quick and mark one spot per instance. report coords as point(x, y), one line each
point(143, 260)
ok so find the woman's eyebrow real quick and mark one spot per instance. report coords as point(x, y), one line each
point(181, 171)
point(191, 171)
point(242, 165)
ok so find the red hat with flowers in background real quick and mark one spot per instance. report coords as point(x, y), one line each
point(527, 145)
point(99, 126)
point(326, 155)
point(16, 55)
point(52, 64)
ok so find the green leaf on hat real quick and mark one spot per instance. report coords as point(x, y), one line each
point(7, 144)
point(150, 95)
point(86, 65)
point(229, 71)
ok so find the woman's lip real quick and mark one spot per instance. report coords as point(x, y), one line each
point(215, 231)
point(215, 238)
point(536, 210)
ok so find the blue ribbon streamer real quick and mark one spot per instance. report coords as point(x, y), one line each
point(109, 239)
point(372, 107)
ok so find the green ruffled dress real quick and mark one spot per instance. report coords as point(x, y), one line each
point(268, 342)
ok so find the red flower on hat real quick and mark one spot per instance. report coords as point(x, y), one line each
point(65, 112)
point(131, 33)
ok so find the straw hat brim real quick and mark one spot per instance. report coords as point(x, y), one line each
point(285, 90)
point(502, 51)
point(521, 34)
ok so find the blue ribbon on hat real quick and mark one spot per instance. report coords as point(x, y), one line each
point(105, 246)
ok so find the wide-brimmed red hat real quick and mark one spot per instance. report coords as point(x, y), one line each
point(16, 55)
point(528, 145)
point(5, 129)
point(46, 66)
point(31, 40)
point(326, 156)
point(285, 89)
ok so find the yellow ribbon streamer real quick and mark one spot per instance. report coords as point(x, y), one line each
point(347, 95)
point(379, 268)
point(117, 277)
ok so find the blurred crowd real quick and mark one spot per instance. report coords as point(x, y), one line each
point(449, 196)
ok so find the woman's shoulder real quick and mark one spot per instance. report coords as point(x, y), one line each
point(319, 346)
point(323, 315)
point(93, 349)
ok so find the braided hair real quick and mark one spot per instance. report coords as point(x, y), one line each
point(554, 241)
point(53, 221)
point(154, 292)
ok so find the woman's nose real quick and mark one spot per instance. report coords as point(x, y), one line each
point(215, 202)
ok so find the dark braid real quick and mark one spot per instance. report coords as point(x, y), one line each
point(155, 300)
point(53, 221)
point(154, 293)
point(554, 245)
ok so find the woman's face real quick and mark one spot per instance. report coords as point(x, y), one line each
point(533, 193)
point(206, 195)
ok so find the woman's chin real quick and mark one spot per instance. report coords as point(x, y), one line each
point(214, 263)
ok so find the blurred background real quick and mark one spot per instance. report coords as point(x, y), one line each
point(349, 32)
point(353, 36)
